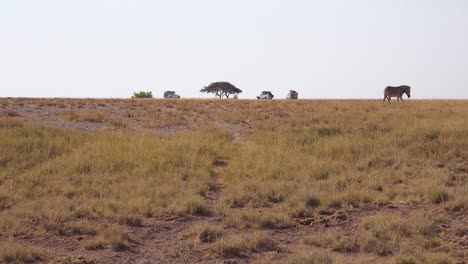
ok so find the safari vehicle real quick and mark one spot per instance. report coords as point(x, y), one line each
point(171, 94)
point(265, 95)
point(292, 95)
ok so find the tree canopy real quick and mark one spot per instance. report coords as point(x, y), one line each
point(221, 89)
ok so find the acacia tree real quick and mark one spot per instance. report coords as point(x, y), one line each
point(221, 89)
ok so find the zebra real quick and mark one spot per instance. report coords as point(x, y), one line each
point(397, 92)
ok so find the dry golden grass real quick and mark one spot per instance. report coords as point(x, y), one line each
point(238, 246)
point(284, 160)
point(17, 253)
point(384, 234)
point(310, 258)
point(209, 233)
point(259, 220)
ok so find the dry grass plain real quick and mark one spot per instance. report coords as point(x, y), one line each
point(233, 181)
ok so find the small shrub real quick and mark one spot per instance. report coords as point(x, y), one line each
point(209, 234)
point(196, 206)
point(119, 245)
point(133, 220)
point(261, 242)
point(117, 237)
point(381, 242)
point(380, 234)
point(300, 211)
point(242, 200)
point(312, 201)
point(231, 247)
point(334, 202)
point(142, 94)
point(438, 195)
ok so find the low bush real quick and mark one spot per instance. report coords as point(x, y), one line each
point(209, 233)
point(117, 237)
point(142, 94)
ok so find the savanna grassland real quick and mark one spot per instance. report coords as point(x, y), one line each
point(233, 181)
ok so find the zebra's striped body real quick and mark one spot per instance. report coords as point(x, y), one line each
point(397, 92)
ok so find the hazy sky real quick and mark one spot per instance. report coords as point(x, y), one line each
point(322, 49)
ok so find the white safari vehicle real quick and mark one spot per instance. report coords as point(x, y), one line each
point(292, 95)
point(265, 95)
point(171, 94)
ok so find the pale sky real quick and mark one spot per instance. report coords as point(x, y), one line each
point(322, 49)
